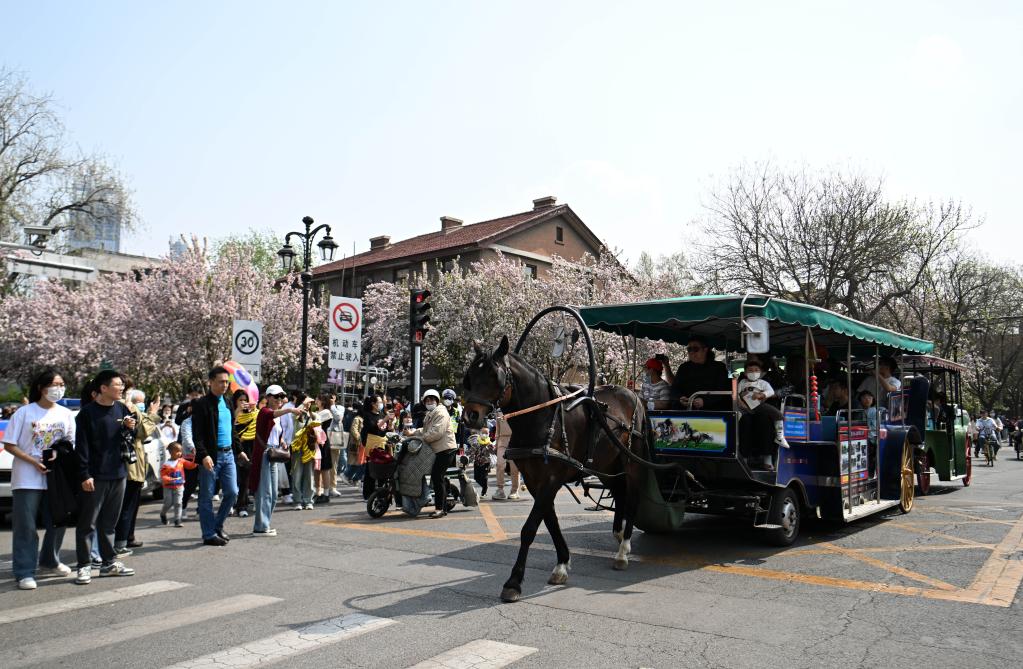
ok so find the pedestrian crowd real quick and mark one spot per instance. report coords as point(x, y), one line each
point(88, 471)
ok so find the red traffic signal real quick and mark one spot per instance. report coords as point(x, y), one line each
point(419, 317)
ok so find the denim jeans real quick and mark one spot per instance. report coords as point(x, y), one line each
point(31, 511)
point(301, 480)
point(266, 495)
point(97, 515)
point(224, 473)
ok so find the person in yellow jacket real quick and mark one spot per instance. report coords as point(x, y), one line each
point(436, 432)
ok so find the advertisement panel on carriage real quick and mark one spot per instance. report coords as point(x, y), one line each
point(674, 432)
point(854, 463)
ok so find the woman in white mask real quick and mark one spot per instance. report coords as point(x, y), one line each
point(436, 432)
point(35, 427)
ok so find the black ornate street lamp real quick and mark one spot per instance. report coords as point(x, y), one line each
point(287, 253)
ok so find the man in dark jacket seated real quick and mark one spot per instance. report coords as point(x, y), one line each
point(700, 373)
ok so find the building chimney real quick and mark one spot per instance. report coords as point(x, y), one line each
point(544, 202)
point(381, 242)
point(448, 223)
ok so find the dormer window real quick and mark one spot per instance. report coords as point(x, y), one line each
point(559, 235)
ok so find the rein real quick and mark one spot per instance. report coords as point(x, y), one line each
point(544, 405)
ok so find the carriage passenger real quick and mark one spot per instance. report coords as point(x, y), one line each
point(883, 382)
point(838, 397)
point(866, 400)
point(765, 426)
point(700, 373)
point(655, 392)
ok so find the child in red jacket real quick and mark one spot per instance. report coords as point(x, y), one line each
point(172, 474)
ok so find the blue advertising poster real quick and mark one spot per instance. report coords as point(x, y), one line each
point(796, 428)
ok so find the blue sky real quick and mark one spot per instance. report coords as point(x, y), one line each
point(380, 117)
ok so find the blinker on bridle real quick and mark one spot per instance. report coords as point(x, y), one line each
point(504, 379)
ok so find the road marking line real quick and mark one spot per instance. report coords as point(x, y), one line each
point(407, 531)
point(63, 644)
point(479, 654)
point(888, 549)
point(95, 599)
point(895, 569)
point(999, 578)
point(931, 533)
point(289, 644)
point(970, 516)
point(496, 531)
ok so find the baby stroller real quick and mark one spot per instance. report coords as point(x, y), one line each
point(384, 467)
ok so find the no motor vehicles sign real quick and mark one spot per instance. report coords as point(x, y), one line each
point(345, 329)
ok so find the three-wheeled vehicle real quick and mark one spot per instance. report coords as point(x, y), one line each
point(840, 467)
point(946, 448)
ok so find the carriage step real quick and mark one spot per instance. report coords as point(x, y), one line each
point(767, 526)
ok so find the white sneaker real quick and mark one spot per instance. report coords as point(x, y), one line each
point(299, 507)
point(216, 498)
point(28, 583)
point(243, 513)
point(272, 532)
point(60, 570)
point(308, 507)
point(514, 496)
point(288, 499)
point(499, 494)
point(116, 569)
point(334, 492)
point(84, 576)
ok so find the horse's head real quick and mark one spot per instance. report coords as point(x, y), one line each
point(487, 383)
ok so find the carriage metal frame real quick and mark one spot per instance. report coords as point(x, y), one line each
point(812, 476)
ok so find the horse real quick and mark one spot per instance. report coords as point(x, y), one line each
point(553, 445)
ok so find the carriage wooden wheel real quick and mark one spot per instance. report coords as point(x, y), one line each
point(906, 496)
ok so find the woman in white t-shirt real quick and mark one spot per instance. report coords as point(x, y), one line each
point(883, 382)
point(33, 428)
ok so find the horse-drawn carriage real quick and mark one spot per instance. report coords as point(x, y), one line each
point(660, 464)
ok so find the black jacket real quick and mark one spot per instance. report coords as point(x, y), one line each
point(205, 414)
point(712, 375)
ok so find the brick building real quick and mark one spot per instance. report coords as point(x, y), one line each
point(532, 237)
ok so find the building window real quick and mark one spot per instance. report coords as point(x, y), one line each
point(401, 275)
point(559, 235)
point(529, 271)
point(447, 265)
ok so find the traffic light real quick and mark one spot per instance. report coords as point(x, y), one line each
point(418, 309)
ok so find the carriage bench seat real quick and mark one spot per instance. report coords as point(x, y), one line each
point(591, 483)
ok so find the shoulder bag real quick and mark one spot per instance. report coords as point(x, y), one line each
point(274, 453)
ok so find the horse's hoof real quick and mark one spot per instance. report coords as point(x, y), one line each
point(620, 565)
point(510, 595)
point(557, 579)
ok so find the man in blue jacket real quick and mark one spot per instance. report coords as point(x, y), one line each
point(216, 447)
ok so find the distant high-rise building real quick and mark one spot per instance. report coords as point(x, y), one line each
point(96, 232)
point(177, 248)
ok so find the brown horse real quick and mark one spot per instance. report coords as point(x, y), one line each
point(554, 445)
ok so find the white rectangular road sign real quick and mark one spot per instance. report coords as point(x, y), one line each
point(247, 343)
point(344, 321)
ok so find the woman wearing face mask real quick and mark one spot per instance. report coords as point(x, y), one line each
point(763, 424)
point(34, 427)
point(436, 432)
point(374, 431)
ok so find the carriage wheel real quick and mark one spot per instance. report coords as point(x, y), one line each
point(378, 503)
point(785, 513)
point(923, 475)
point(969, 463)
point(906, 493)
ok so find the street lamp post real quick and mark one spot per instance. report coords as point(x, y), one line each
point(287, 254)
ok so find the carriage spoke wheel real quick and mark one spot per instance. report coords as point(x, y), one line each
point(906, 496)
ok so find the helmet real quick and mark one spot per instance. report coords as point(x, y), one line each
point(449, 394)
point(431, 393)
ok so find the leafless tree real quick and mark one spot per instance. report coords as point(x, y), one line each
point(43, 180)
point(832, 240)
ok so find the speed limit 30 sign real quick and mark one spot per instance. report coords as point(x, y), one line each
point(247, 343)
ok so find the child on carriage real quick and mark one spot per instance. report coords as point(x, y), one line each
point(763, 417)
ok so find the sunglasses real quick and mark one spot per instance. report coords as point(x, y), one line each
point(695, 349)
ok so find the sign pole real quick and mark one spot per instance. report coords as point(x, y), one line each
point(416, 360)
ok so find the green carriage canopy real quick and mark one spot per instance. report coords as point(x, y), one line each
point(717, 318)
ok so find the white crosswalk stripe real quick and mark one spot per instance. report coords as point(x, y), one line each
point(289, 644)
point(85, 601)
point(68, 644)
point(479, 654)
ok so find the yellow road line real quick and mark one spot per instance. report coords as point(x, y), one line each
point(887, 549)
point(895, 569)
point(496, 531)
point(931, 533)
point(1000, 577)
point(407, 531)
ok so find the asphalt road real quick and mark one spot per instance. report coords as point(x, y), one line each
point(938, 587)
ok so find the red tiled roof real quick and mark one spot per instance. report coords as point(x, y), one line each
point(435, 242)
